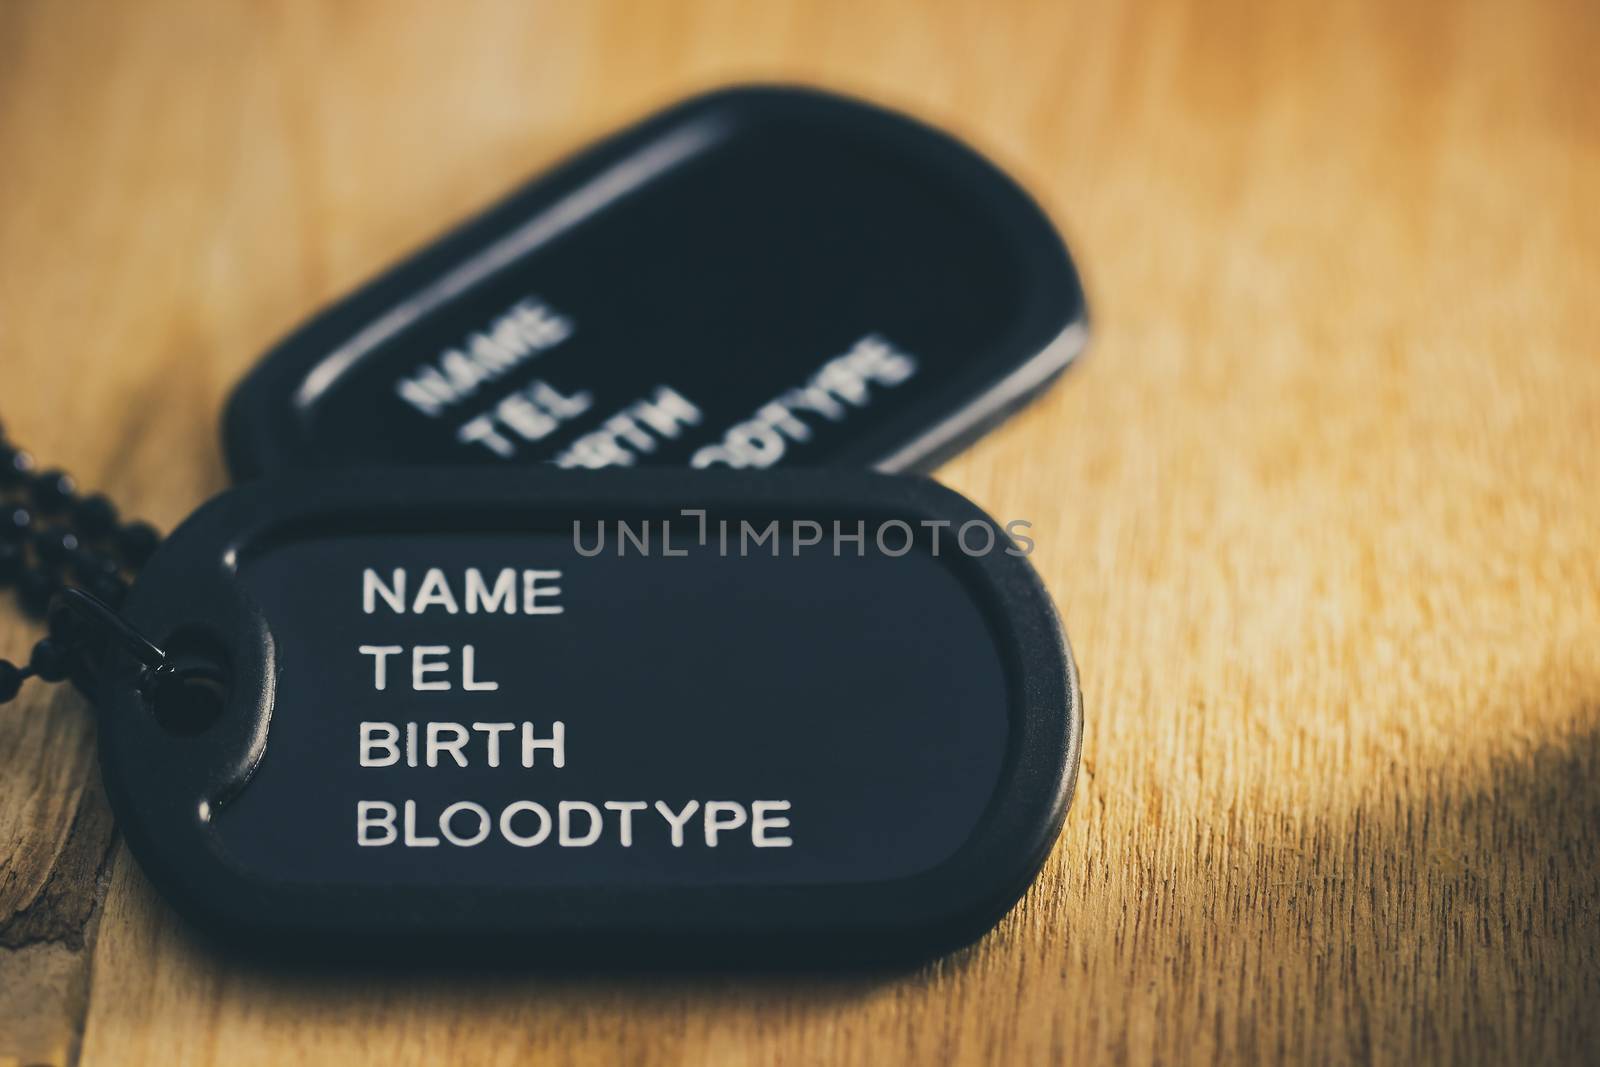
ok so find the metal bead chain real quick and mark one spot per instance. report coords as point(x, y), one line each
point(52, 538)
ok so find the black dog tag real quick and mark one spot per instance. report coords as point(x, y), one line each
point(753, 277)
point(785, 717)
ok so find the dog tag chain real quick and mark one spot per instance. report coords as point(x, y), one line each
point(50, 537)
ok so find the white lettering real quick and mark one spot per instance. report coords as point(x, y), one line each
point(556, 744)
point(524, 840)
point(372, 588)
point(421, 666)
point(468, 682)
point(380, 661)
point(625, 810)
point(372, 814)
point(457, 808)
point(762, 821)
point(677, 819)
point(532, 591)
point(370, 741)
point(502, 598)
point(715, 824)
point(567, 838)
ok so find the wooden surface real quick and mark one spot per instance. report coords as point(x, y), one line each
point(1321, 509)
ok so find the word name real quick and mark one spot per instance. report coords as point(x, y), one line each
point(478, 594)
point(521, 333)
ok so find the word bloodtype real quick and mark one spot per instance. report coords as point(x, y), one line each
point(572, 823)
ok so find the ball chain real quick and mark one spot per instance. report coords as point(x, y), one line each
point(52, 537)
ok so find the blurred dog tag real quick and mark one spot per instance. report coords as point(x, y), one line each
point(791, 717)
point(755, 277)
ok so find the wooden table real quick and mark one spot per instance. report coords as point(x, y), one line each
point(1321, 509)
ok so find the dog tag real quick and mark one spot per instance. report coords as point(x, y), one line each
point(755, 277)
point(792, 717)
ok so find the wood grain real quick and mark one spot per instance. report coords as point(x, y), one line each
point(1321, 508)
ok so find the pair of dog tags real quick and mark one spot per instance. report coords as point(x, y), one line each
point(666, 704)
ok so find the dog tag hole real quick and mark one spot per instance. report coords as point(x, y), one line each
point(187, 694)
